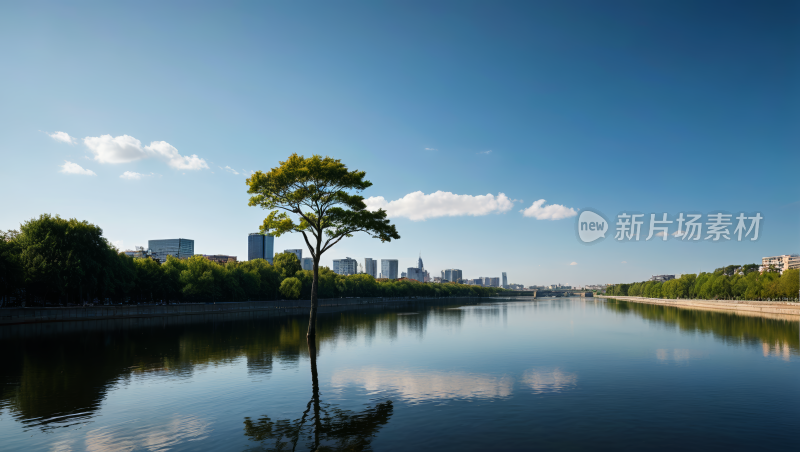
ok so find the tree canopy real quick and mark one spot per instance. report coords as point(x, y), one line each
point(319, 198)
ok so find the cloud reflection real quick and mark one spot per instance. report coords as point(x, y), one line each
point(555, 380)
point(426, 385)
point(678, 354)
point(153, 438)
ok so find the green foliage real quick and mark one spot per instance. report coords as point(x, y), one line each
point(290, 288)
point(731, 282)
point(286, 264)
point(319, 198)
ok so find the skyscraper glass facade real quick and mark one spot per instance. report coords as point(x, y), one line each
point(180, 248)
point(307, 263)
point(260, 246)
point(371, 267)
point(389, 268)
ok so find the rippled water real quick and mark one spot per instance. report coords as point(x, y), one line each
point(552, 374)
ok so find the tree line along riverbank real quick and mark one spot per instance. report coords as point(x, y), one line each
point(727, 283)
point(53, 261)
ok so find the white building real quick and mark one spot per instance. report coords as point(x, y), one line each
point(346, 266)
point(780, 263)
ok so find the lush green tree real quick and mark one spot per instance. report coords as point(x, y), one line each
point(291, 287)
point(319, 198)
point(11, 273)
point(286, 264)
point(63, 259)
point(149, 276)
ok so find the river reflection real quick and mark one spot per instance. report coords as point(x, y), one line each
point(322, 426)
point(775, 336)
point(505, 368)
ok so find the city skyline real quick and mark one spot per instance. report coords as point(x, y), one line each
point(618, 122)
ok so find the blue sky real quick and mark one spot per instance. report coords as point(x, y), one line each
point(617, 106)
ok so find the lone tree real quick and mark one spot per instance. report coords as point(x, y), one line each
point(317, 197)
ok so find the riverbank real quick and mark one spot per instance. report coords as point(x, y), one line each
point(15, 316)
point(771, 308)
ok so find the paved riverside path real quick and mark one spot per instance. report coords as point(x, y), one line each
point(784, 308)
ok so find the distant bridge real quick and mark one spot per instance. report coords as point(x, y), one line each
point(541, 293)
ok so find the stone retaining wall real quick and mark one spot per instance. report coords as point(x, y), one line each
point(763, 307)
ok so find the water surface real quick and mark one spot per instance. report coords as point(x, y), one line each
point(551, 374)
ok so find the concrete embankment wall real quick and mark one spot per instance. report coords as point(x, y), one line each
point(11, 316)
point(51, 328)
point(780, 308)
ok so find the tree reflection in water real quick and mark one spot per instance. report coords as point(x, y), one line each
point(322, 427)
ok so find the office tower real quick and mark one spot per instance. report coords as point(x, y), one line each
point(371, 267)
point(260, 246)
point(298, 253)
point(346, 266)
point(451, 275)
point(417, 274)
point(389, 268)
point(307, 263)
point(180, 248)
point(505, 281)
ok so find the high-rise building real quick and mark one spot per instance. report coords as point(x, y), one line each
point(371, 267)
point(260, 246)
point(346, 266)
point(307, 263)
point(389, 268)
point(451, 275)
point(490, 282)
point(180, 248)
point(505, 281)
point(416, 273)
point(298, 253)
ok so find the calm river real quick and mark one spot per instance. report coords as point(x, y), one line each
point(552, 374)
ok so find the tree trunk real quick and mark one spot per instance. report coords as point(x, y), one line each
point(312, 354)
point(312, 319)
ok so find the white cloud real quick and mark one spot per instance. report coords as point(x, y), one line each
point(661, 234)
point(419, 206)
point(125, 148)
point(73, 168)
point(678, 233)
point(62, 137)
point(121, 149)
point(485, 152)
point(624, 262)
point(551, 212)
point(229, 169)
point(174, 158)
point(573, 263)
point(131, 175)
point(431, 149)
